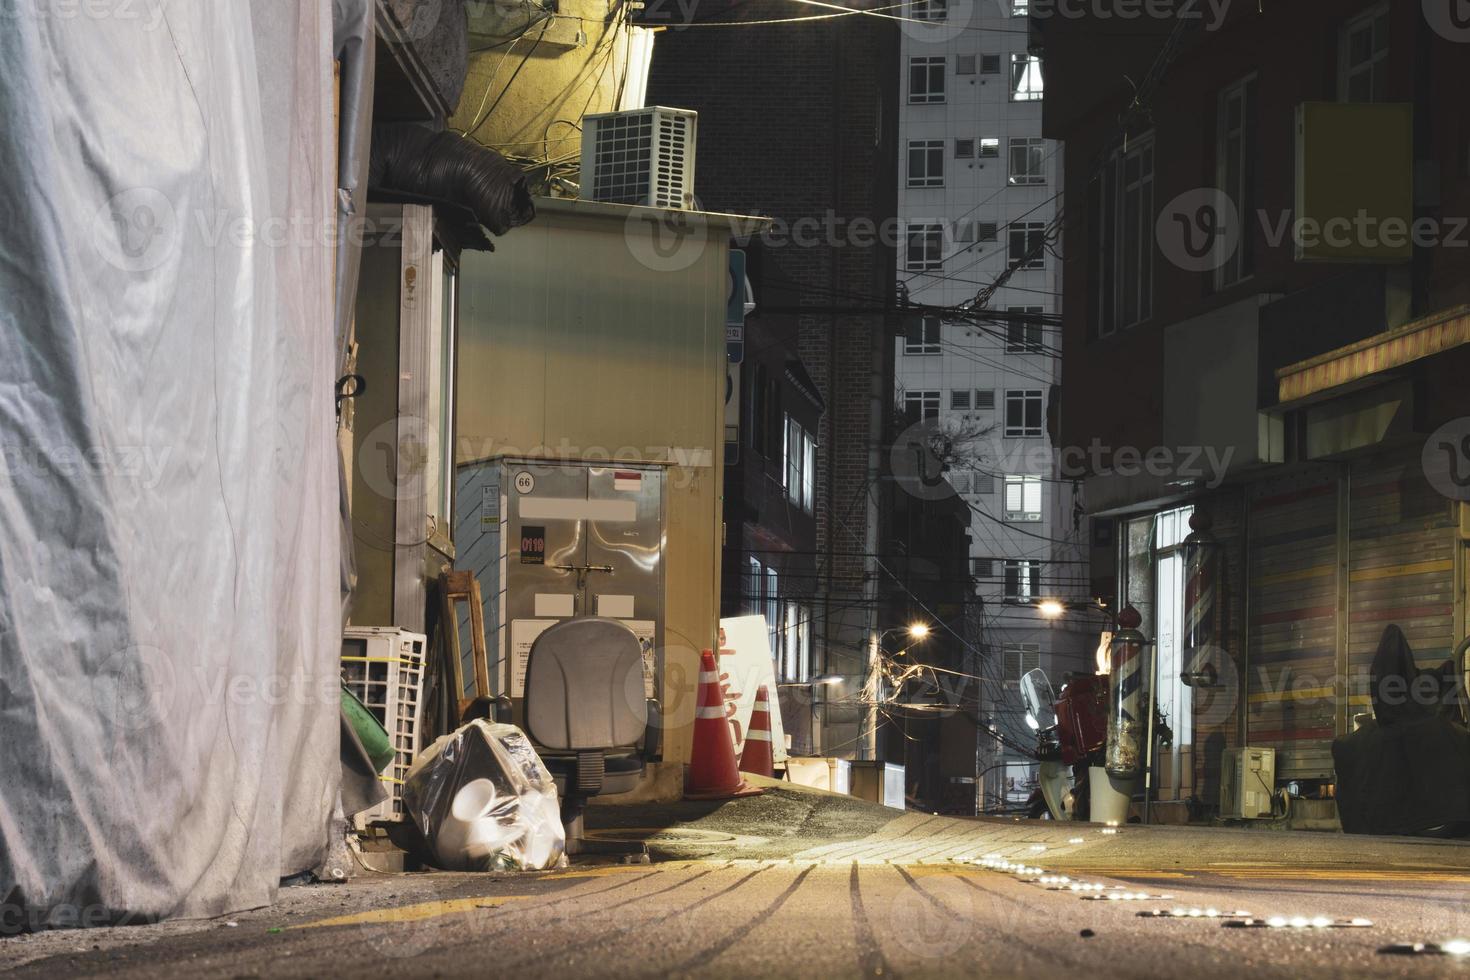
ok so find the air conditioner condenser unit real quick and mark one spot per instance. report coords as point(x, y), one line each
point(640, 156)
point(1247, 782)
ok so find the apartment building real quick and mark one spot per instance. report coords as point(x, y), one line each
point(978, 195)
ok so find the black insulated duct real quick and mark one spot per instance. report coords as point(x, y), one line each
point(409, 161)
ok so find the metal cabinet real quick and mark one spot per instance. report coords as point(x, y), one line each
point(553, 540)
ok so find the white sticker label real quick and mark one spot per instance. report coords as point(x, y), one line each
point(489, 507)
point(644, 629)
point(523, 633)
point(525, 482)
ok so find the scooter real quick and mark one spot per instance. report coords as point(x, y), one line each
point(1071, 732)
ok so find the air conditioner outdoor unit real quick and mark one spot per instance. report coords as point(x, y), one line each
point(1247, 782)
point(640, 156)
point(383, 667)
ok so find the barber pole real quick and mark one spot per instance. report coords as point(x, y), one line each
point(1126, 712)
point(1201, 591)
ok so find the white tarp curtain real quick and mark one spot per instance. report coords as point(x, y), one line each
point(169, 618)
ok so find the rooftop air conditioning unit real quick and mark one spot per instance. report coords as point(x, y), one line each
point(640, 156)
point(1247, 782)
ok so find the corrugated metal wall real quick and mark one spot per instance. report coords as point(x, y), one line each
point(1401, 563)
point(1292, 653)
point(1336, 555)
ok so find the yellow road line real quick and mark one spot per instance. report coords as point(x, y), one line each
point(600, 871)
point(1323, 874)
point(413, 913)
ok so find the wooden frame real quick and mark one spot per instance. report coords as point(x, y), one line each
point(460, 586)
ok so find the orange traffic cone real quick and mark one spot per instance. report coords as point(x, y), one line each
point(756, 758)
point(713, 774)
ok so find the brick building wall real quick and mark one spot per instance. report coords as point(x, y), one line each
point(797, 122)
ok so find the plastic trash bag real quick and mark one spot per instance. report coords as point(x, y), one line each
point(484, 801)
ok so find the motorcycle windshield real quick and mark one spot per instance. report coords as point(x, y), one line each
point(1040, 699)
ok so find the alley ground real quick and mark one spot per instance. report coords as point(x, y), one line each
point(795, 883)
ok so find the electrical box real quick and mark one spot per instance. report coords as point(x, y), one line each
point(832, 775)
point(552, 540)
point(1247, 782)
point(640, 156)
point(878, 782)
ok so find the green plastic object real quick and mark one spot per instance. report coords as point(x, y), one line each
point(370, 731)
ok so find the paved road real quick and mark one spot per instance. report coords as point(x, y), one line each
point(795, 884)
point(789, 918)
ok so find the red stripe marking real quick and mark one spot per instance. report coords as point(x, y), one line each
point(1295, 495)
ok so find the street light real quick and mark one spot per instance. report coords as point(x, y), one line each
point(916, 631)
point(1052, 608)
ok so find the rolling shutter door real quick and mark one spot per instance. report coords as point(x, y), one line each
point(1400, 566)
point(1291, 704)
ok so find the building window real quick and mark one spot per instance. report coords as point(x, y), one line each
point(1028, 160)
point(1027, 241)
point(959, 400)
point(925, 252)
point(1020, 8)
point(800, 452)
point(982, 568)
point(922, 335)
point(1018, 660)
point(990, 64)
point(919, 406)
point(755, 584)
point(984, 399)
point(984, 484)
point(1022, 581)
point(1171, 527)
point(1023, 499)
point(1025, 78)
point(1023, 413)
point(964, 149)
point(926, 80)
point(773, 610)
point(987, 231)
point(1362, 58)
point(926, 163)
point(930, 9)
point(1235, 143)
point(1023, 333)
point(964, 64)
point(767, 422)
point(989, 148)
point(1124, 246)
point(796, 651)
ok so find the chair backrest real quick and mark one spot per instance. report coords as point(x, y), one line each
point(584, 686)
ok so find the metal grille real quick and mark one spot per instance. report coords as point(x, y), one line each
point(624, 146)
point(671, 170)
point(384, 670)
point(643, 157)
